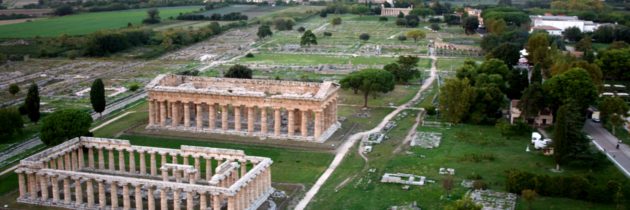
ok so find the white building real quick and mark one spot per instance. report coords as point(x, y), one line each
point(555, 25)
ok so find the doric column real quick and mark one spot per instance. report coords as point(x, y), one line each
point(216, 202)
point(212, 115)
point(174, 158)
point(22, 184)
point(203, 201)
point(186, 114)
point(101, 159)
point(224, 117)
point(250, 120)
point(102, 199)
point(318, 124)
point(110, 156)
point(303, 122)
point(231, 203)
point(81, 161)
point(121, 160)
point(132, 161)
point(237, 117)
point(150, 198)
point(263, 120)
point(153, 164)
point(143, 163)
point(186, 158)
point(243, 167)
point(89, 188)
point(91, 158)
point(276, 121)
point(74, 160)
point(176, 199)
point(175, 114)
point(163, 199)
point(78, 192)
point(138, 197)
point(151, 113)
point(67, 162)
point(189, 200)
point(44, 186)
point(162, 158)
point(291, 122)
point(208, 169)
point(55, 188)
point(53, 164)
point(126, 200)
point(162, 113)
point(199, 116)
point(66, 191)
point(114, 195)
point(198, 167)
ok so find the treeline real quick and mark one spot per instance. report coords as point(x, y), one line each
point(14, 16)
point(215, 17)
point(575, 187)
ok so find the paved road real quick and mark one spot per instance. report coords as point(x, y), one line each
point(607, 143)
point(345, 147)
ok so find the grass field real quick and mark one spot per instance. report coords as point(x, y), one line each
point(362, 189)
point(86, 23)
point(296, 59)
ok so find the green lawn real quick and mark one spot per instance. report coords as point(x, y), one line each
point(400, 95)
point(297, 59)
point(364, 191)
point(86, 22)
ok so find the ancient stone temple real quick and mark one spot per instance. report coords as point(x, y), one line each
point(249, 107)
point(98, 173)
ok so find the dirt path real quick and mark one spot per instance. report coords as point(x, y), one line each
point(343, 149)
point(110, 121)
point(410, 134)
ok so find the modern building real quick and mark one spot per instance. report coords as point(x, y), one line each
point(555, 25)
point(305, 111)
point(76, 175)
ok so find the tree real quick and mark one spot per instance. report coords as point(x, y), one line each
point(529, 196)
point(64, 10)
point(435, 26)
point(613, 111)
point(567, 129)
point(538, 48)
point(63, 125)
point(572, 34)
point(455, 97)
point(404, 69)
point(369, 81)
point(507, 52)
point(264, 31)
point(239, 71)
point(416, 34)
point(585, 44)
point(283, 24)
point(465, 203)
point(10, 123)
point(31, 103)
point(308, 38)
point(470, 24)
point(335, 21)
point(400, 15)
point(497, 27)
point(360, 9)
point(604, 34)
point(532, 101)
point(97, 96)
point(574, 86)
point(447, 184)
point(615, 63)
point(14, 89)
point(364, 36)
point(402, 38)
point(153, 17)
point(323, 14)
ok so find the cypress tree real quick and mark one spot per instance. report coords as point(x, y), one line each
point(97, 96)
point(32, 103)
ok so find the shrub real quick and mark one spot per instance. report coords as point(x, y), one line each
point(327, 33)
point(382, 19)
point(10, 123)
point(134, 87)
point(431, 110)
point(301, 29)
point(14, 89)
point(249, 55)
point(364, 36)
point(239, 71)
point(63, 125)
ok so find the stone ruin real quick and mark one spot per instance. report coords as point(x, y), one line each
point(492, 200)
point(401, 178)
point(427, 140)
